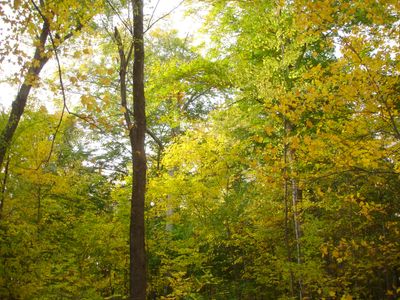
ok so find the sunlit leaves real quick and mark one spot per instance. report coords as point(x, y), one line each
point(305, 100)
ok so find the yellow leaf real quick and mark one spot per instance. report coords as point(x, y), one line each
point(269, 130)
point(73, 80)
point(36, 63)
point(76, 54)
point(389, 293)
point(88, 101)
point(335, 253)
point(106, 98)
point(17, 3)
point(324, 250)
point(105, 81)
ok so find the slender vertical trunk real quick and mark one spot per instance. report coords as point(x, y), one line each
point(287, 244)
point(296, 198)
point(18, 105)
point(289, 160)
point(297, 232)
point(3, 186)
point(286, 203)
point(170, 208)
point(137, 230)
point(39, 205)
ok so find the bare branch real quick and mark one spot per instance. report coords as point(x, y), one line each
point(150, 25)
point(193, 98)
point(122, 76)
point(62, 87)
point(126, 25)
point(152, 14)
point(155, 138)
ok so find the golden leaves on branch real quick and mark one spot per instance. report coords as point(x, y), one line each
point(88, 101)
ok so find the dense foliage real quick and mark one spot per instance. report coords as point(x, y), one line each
point(273, 156)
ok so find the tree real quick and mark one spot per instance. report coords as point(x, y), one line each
point(297, 99)
point(137, 136)
point(136, 128)
point(60, 233)
point(60, 21)
point(273, 168)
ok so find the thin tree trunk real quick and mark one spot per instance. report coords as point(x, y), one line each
point(3, 187)
point(18, 105)
point(286, 203)
point(39, 205)
point(287, 244)
point(137, 230)
point(296, 198)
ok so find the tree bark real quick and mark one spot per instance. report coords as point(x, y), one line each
point(286, 203)
point(3, 187)
point(296, 199)
point(137, 229)
point(18, 105)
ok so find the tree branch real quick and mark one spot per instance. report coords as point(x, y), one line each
point(152, 14)
point(155, 138)
point(126, 25)
point(150, 25)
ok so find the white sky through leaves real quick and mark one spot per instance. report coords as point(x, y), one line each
point(185, 25)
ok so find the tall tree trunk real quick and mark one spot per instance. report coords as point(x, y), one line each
point(18, 105)
point(137, 230)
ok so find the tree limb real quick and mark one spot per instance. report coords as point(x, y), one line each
point(150, 25)
point(155, 138)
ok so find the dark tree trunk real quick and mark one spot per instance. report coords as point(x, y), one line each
point(18, 105)
point(137, 230)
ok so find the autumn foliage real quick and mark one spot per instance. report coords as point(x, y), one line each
point(273, 155)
